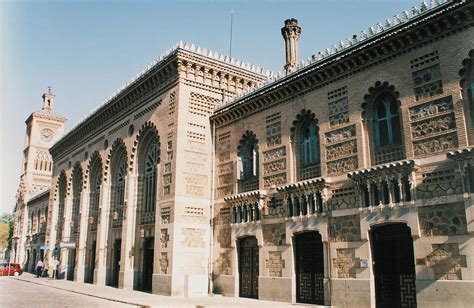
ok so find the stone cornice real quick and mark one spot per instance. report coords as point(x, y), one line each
point(181, 62)
point(306, 185)
point(246, 196)
point(403, 167)
point(462, 154)
point(47, 116)
point(445, 20)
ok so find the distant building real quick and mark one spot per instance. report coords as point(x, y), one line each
point(346, 180)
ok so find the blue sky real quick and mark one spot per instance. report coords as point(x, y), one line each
point(87, 49)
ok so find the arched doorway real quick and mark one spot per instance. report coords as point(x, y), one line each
point(116, 263)
point(248, 267)
point(147, 271)
point(71, 264)
point(90, 263)
point(393, 266)
point(309, 268)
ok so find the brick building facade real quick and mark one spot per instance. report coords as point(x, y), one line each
point(346, 180)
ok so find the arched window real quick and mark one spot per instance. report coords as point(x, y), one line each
point(150, 177)
point(309, 145)
point(119, 172)
point(95, 185)
point(381, 113)
point(387, 122)
point(305, 136)
point(248, 162)
point(62, 201)
point(76, 198)
point(149, 154)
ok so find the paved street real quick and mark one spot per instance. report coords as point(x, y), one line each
point(19, 293)
point(29, 291)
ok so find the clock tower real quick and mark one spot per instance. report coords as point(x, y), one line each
point(43, 128)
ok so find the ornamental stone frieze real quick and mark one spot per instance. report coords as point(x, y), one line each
point(304, 198)
point(386, 184)
point(246, 207)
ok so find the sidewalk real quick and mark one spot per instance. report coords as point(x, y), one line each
point(142, 299)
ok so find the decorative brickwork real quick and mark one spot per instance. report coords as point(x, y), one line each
point(346, 263)
point(224, 237)
point(164, 263)
point(438, 183)
point(275, 209)
point(343, 198)
point(274, 234)
point(164, 238)
point(446, 261)
point(275, 264)
point(447, 219)
point(344, 229)
point(224, 263)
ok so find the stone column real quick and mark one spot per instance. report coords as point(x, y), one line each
point(371, 193)
point(324, 200)
point(391, 192)
point(102, 228)
point(83, 228)
point(65, 236)
point(128, 234)
point(287, 205)
point(308, 204)
point(293, 205)
point(401, 189)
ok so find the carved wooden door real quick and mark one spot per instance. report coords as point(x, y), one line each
point(248, 267)
point(309, 268)
point(394, 266)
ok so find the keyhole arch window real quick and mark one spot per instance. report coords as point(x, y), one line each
point(386, 121)
point(149, 173)
point(309, 146)
point(62, 187)
point(383, 123)
point(95, 187)
point(248, 156)
point(76, 199)
point(306, 143)
point(118, 182)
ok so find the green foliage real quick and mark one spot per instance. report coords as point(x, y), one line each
point(6, 222)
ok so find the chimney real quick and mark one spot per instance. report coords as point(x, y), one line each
point(291, 33)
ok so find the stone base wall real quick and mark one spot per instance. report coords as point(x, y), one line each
point(444, 294)
point(350, 293)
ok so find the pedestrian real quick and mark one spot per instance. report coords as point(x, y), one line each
point(39, 268)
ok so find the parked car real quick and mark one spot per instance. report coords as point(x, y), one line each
point(10, 269)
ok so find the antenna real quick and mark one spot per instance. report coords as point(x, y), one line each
point(231, 23)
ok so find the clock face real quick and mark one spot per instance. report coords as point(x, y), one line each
point(47, 135)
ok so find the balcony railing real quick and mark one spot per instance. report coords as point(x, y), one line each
point(248, 184)
point(147, 218)
point(93, 220)
point(310, 171)
point(117, 216)
point(389, 153)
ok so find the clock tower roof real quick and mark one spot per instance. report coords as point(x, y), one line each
point(46, 111)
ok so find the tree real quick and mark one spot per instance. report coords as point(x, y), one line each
point(6, 223)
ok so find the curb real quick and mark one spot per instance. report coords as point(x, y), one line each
point(86, 294)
